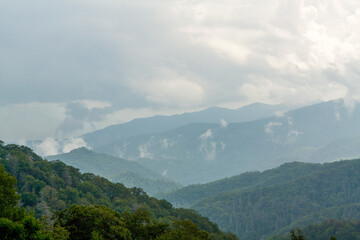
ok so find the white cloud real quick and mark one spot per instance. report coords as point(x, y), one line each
point(144, 150)
point(206, 135)
point(51, 146)
point(47, 147)
point(269, 127)
point(70, 144)
point(223, 123)
point(293, 133)
point(91, 104)
point(207, 146)
point(166, 143)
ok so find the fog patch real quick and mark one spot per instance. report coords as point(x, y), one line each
point(144, 150)
point(166, 143)
point(47, 147)
point(73, 143)
point(279, 114)
point(290, 121)
point(206, 135)
point(207, 146)
point(223, 123)
point(269, 127)
point(292, 135)
point(52, 146)
point(121, 151)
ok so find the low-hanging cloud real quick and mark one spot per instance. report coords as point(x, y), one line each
point(269, 127)
point(51, 146)
point(223, 123)
point(144, 150)
point(207, 145)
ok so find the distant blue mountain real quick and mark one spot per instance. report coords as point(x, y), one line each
point(130, 173)
point(158, 124)
point(202, 152)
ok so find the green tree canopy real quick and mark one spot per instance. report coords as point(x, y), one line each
point(92, 222)
point(8, 195)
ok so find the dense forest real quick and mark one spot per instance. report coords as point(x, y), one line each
point(44, 200)
point(56, 201)
point(329, 229)
point(187, 196)
point(256, 205)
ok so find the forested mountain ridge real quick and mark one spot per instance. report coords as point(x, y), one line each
point(274, 202)
point(130, 173)
point(163, 123)
point(189, 195)
point(45, 187)
point(204, 152)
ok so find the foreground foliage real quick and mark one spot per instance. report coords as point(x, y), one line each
point(103, 210)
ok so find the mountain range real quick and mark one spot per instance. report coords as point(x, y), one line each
point(203, 151)
point(158, 124)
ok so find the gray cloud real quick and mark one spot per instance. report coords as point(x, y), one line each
point(81, 117)
point(155, 57)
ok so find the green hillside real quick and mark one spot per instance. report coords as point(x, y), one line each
point(45, 187)
point(130, 173)
point(257, 205)
point(189, 195)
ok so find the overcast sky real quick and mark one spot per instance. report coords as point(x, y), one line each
point(72, 66)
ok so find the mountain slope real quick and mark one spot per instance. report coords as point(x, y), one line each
point(163, 123)
point(331, 190)
point(102, 164)
point(203, 152)
point(49, 186)
point(116, 169)
point(189, 195)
